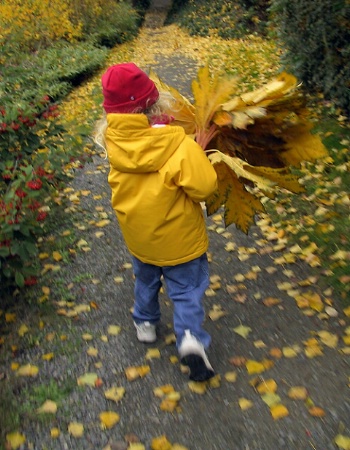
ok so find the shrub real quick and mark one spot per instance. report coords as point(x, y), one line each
point(36, 155)
point(53, 71)
point(228, 19)
point(32, 24)
point(316, 40)
point(105, 22)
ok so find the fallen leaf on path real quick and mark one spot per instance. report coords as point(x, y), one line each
point(342, 441)
point(242, 330)
point(279, 411)
point(23, 329)
point(160, 443)
point(28, 370)
point(132, 373)
point(114, 330)
point(198, 387)
point(216, 313)
point(109, 419)
point(316, 411)
point(49, 407)
point(152, 353)
point(54, 433)
point(297, 393)
point(76, 429)
point(231, 377)
point(88, 379)
point(115, 393)
point(15, 440)
point(267, 386)
point(244, 403)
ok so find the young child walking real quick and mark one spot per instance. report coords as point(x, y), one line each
point(158, 177)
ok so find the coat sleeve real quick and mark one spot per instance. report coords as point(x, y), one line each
point(195, 173)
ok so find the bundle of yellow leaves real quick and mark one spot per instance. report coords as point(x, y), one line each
point(252, 139)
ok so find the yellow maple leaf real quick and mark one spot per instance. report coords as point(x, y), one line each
point(88, 379)
point(342, 441)
point(297, 393)
point(198, 387)
point(76, 429)
point(28, 370)
point(254, 367)
point(57, 256)
point(54, 433)
point(114, 330)
point(23, 329)
point(244, 403)
point(161, 443)
point(152, 353)
point(134, 372)
point(47, 356)
point(266, 386)
point(109, 419)
point(15, 439)
point(279, 411)
point(48, 407)
point(231, 377)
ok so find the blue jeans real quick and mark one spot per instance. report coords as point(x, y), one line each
point(185, 284)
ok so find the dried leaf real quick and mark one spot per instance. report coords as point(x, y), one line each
point(231, 377)
point(244, 403)
point(342, 441)
point(132, 373)
point(88, 379)
point(316, 411)
point(54, 433)
point(254, 367)
point(15, 439)
point(267, 386)
point(115, 393)
point(28, 370)
point(161, 443)
point(108, 419)
point(198, 387)
point(152, 353)
point(298, 393)
point(49, 407)
point(279, 411)
point(76, 429)
point(242, 330)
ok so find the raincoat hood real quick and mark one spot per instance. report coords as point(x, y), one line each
point(133, 146)
point(158, 177)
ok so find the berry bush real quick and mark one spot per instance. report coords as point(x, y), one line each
point(37, 155)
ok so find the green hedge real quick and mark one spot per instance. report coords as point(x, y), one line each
point(228, 19)
point(315, 36)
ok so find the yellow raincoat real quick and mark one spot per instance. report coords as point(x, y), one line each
point(158, 176)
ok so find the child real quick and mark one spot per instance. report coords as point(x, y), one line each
point(158, 177)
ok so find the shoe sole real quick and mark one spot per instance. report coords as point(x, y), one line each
point(198, 369)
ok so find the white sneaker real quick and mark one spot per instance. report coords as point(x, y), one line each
point(193, 355)
point(146, 332)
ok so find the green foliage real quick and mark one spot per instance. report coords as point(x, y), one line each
point(228, 19)
point(316, 40)
point(37, 154)
point(53, 71)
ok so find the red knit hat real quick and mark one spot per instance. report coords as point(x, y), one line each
point(127, 89)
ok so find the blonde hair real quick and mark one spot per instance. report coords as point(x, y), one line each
point(161, 107)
